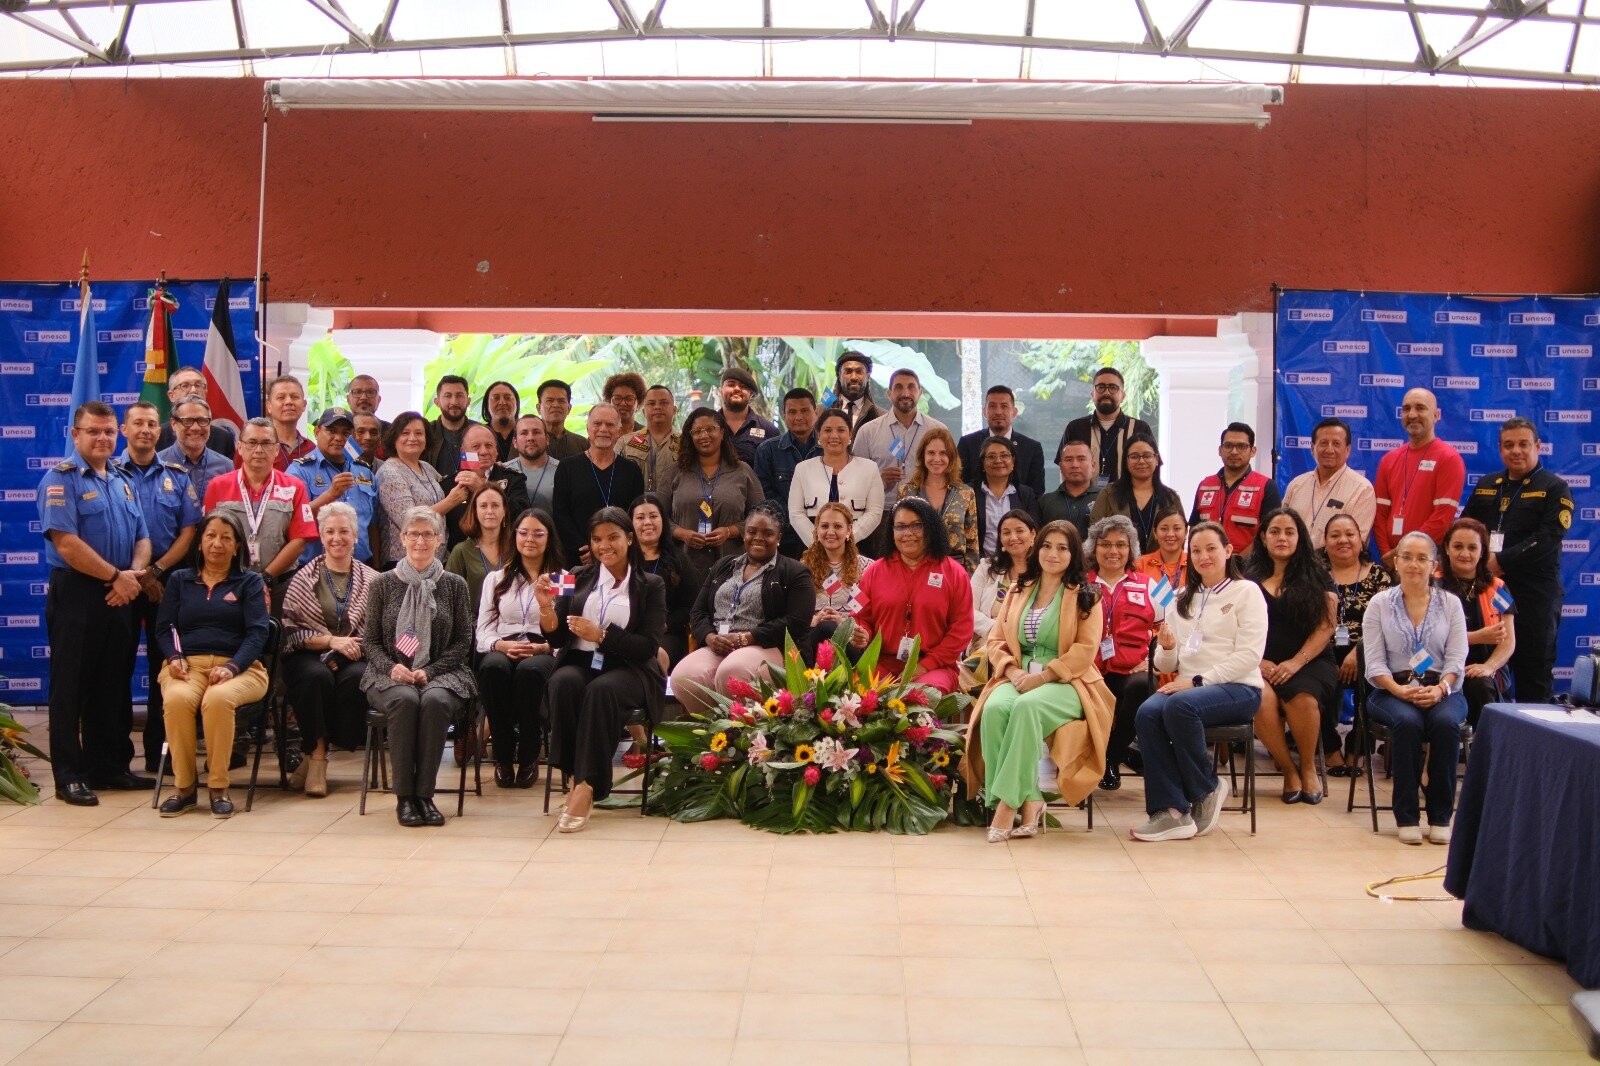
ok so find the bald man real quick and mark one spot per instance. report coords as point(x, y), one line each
point(1419, 483)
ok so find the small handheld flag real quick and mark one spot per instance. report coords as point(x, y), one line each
point(1502, 600)
point(565, 583)
point(1162, 594)
point(407, 644)
point(857, 604)
point(897, 449)
point(833, 585)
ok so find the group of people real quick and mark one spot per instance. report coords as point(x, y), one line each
point(572, 580)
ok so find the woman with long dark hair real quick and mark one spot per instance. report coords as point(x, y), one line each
point(1297, 664)
point(997, 574)
point(999, 492)
point(835, 476)
point(1139, 492)
point(657, 550)
point(711, 488)
point(1356, 579)
point(502, 406)
point(1490, 614)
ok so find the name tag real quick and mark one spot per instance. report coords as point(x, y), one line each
point(1108, 649)
point(1497, 542)
point(1193, 643)
point(904, 651)
point(724, 628)
point(1399, 526)
point(1341, 636)
point(598, 660)
point(1035, 668)
point(1426, 464)
point(936, 581)
point(757, 432)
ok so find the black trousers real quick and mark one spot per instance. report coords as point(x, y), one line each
point(418, 721)
point(1131, 690)
point(588, 713)
point(92, 648)
point(513, 694)
point(1537, 619)
point(155, 724)
point(328, 704)
point(1480, 692)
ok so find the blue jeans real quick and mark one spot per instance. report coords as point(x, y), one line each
point(1172, 738)
point(1409, 726)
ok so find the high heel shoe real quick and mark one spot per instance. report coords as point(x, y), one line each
point(569, 823)
point(1031, 829)
point(316, 782)
point(297, 776)
point(999, 836)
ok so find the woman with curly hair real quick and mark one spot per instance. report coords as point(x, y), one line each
point(836, 567)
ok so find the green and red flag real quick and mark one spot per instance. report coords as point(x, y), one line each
point(159, 351)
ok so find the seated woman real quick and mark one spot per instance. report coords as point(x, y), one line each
point(919, 591)
point(658, 551)
point(324, 611)
point(609, 632)
point(417, 642)
point(1415, 638)
point(516, 655)
point(998, 492)
point(1167, 557)
point(1043, 686)
point(1491, 629)
point(836, 568)
point(1213, 639)
point(1356, 579)
point(485, 524)
point(1122, 652)
point(710, 489)
point(1297, 665)
point(1139, 493)
point(212, 629)
point(936, 477)
point(835, 476)
point(997, 574)
point(746, 607)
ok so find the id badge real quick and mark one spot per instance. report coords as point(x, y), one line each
point(904, 651)
point(1418, 657)
point(1035, 667)
point(254, 546)
point(1193, 643)
point(724, 628)
point(704, 527)
point(598, 661)
point(1341, 636)
point(1101, 482)
point(1108, 649)
point(1497, 543)
point(1399, 525)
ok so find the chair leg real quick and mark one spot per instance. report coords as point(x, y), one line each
point(260, 739)
point(461, 791)
point(1089, 802)
point(161, 771)
point(1250, 780)
point(368, 771)
point(549, 775)
point(1372, 791)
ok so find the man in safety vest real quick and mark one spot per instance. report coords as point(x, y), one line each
point(1236, 496)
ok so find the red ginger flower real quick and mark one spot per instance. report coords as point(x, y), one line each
point(825, 655)
point(915, 698)
point(918, 733)
point(869, 701)
point(633, 761)
point(709, 761)
point(938, 780)
point(785, 702)
point(813, 774)
point(740, 689)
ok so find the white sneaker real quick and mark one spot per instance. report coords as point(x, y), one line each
point(1438, 834)
point(1411, 834)
point(1165, 825)
point(1209, 810)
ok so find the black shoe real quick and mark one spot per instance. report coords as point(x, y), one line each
point(1112, 781)
point(178, 803)
point(221, 806)
point(407, 813)
point(528, 776)
point(78, 794)
point(505, 776)
point(1134, 762)
point(430, 814)
point(235, 763)
point(125, 782)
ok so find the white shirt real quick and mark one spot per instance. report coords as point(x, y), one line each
point(607, 605)
point(860, 489)
point(986, 599)
point(875, 438)
point(519, 612)
point(1347, 492)
point(1232, 622)
point(994, 509)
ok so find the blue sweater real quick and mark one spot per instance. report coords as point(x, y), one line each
point(229, 620)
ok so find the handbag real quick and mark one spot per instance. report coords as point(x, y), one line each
point(1586, 680)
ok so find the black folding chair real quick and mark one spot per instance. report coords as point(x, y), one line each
point(643, 791)
point(1227, 740)
point(375, 767)
point(1367, 732)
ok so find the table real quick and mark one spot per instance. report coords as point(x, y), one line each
point(1525, 854)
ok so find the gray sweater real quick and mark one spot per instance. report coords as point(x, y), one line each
point(450, 643)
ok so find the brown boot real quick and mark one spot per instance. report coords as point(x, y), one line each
point(297, 776)
point(317, 778)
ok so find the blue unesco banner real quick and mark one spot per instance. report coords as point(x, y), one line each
point(1353, 355)
point(38, 347)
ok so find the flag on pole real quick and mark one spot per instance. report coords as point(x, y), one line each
point(407, 644)
point(1162, 594)
point(1502, 601)
point(86, 371)
point(224, 387)
point(159, 351)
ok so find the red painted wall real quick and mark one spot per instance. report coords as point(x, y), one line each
point(1393, 188)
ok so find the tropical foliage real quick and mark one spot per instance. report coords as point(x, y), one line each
point(839, 746)
point(1058, 362)
point(15, 784)
point(327, 379)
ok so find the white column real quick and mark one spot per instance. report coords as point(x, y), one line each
point(396, 357)
point(1195, 399)
point(291, 331)
point(1259, 377)
point(971, 387)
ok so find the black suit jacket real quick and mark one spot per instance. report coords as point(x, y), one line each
point(1025, 501)
point(630, 647)
point(788, 597)
point(1030, 460)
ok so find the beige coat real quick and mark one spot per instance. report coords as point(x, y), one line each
point(1078, 748)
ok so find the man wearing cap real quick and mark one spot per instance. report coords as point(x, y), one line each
point(330, 475)
point(750, 431)
point(852, 389)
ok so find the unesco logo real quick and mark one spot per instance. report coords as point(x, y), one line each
point(20, 558)
point(18, 495)
point(1574, 610)
point(1457, 318)
point(21, 684)
point(46, 336)
point(1490, 414)
point(1575, 547)
point(16, 305)
point(1589, 578)
point(1585, 641)
point(1531, 318)
point(1568, 418)
point(1494, 351)
point(1591, 320)
point(1302, 314)
point(1441, 381)
point(1576, 481)
point(235, 303)
point(16, 432)
point(1377, 444)
point(1412, 348)
point(77, 305)
point(244, 365)
point(1345, 347)
point(43, 462)
point(47, 399)
point(22, 369)
point(1297, 443)
point(19, 621)
point(191, 334)
point(69, 369)
point(1386, 381)
point(1591, 384)
point(1309, 379)
point(1568, 351)
point(1589, 449)
point(1368, 315)
point(1344, 410)
point(1531, 384)
point(41, 651)
point(38, 588)
point(1465, 447)
point(106, 336)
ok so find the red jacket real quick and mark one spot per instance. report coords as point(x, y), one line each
point(1130, 619)
point(1239, 512)
point(936, 600)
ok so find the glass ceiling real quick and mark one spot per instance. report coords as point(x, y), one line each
point(1412, 42)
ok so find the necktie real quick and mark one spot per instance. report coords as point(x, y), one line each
point(850, 413)
point(833, 488)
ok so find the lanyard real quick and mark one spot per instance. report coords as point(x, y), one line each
point(611, 482)
point(254, 512)
point(1105, 454)
point(1205, 598)
point(1505, 501)
point(1405, 485)
point(708, 487)
point(525, 600)
point(1110, 596)
point(916, 429)
point(738, 593)
point(1144, 517)
point(432, 487)
point(620, 589)
point(487, 569)
point(1403, 617)
point(1316, 508)
point(534, 492)
point(339, 601)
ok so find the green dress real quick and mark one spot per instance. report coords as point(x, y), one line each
point(1013, 725)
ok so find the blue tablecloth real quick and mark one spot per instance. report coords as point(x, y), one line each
point(1525, 854)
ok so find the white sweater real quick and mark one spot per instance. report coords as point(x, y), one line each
point(860, 489)
point(1234, 632)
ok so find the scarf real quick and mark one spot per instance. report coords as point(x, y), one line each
point(416, 609)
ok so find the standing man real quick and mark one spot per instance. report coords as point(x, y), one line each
point(1527, 510)
point(513, 485)
point(749, 430)
point(502, 406)
point(191, 422)
point(271, 506)
point(97, 547)
point(555, 404)
point(1419, 483)
point(445, 433)
point(330, 475)
point(1332, 487)
point(1107, 431)
point(1236, 496)
point(368, 435)
point(625, 392)
point(187, 381)
point(777, 458)
point(891, 442)
point(591, 480)
point(1000, 410)
point(171, 511)
point(533, 462)
point(852, 389)
point(286, 402)
point(362, 399)
point(655, 449)
point(1073, 501)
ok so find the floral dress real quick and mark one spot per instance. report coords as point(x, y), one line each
point(960, 514)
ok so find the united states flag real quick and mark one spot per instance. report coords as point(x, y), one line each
point(407, 644)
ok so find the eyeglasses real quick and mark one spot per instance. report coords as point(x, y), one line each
point(362, 392)
point(1237, 447)
point(1141, 457)
point(1108, 388)
point(705, 431)
point(419, 534)
point(255, 444)
point(1410, 558)
point(901, 527)
point(997, 457)
point(536, 534)
point(193, 423)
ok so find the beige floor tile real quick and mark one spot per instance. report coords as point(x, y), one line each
point(1260, 945)
point(983, 884)
point(297, 1008)
point(515, 933)
point(1364, 913)
point(13, 859)
point(339, 965)
point(259, 927)
point(1314, 1027)
point(813, 972)
point(951, 978)
point(990, 1022)
point(574, 847)
point(1108, 884)
point(492, 1010)
point(578, 1050)
point(455, 873)
point(286, 896)
point(923, 909)
point(54, 890)
point(582, 876)
point(203, 1000)
point(1546, 983)
point(564, 903)
point(280, 844)
point(189, 866)
point(90, 864)
point(697, 1015)
point(557, 970)
point(330, 870)
point(1114, 979)
point(78, 958)
point(757, 852)
point(158, 1045)
point(389, 844)
point(857, 850)
point(1455, 1027)
point(126, 923)
point(694, 879)
point(1101, 911)
point(425, 899)
point(1379, 947)
point(41, 837)
point(1344, 1058)
point(965, 1054)
point(16, 1037)
point(953, 858)
point(787, 882)
point(406, 1048)
point(392, 930)
point(1458, 984)
point(1510, 1058)
point(687, 971)
point(260, 962)
point(972, 941)
point(252, 1047)
point(47, 999)
point(153, 894)
point(1090, 946)
point(1187, 1026)
point(829, 1017)
point(1496, 949)
point(1267, 982)
point(1201, 885)
point(1096, 1056)
point(1234, 914)
point(807, 1052)
point(856, 937)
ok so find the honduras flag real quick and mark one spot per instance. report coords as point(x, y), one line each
point(86, 368)
point(1502, 601)
point(1163, 594)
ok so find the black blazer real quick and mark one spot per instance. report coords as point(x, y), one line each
point(788, 597)
point(1030, 459)
point(1026, 501)
point(631, 647)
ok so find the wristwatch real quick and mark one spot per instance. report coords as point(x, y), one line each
point(155, 570)
point(1197, 680)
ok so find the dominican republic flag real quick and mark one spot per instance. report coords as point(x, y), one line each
point(1162, 594)
point(158, 351)
point(1502, 600)
point(86, 371)
point(407, 644)
point(224, 387)
point(565, 583)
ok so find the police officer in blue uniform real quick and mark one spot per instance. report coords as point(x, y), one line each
point(171, 511)
point(330, 475)
point(97, 548)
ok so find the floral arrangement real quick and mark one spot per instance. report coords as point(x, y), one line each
point(837, 746)
point(15, 784)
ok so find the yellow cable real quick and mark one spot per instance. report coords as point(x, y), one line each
point(1436, 872)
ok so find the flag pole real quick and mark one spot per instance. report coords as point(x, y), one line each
point(83, 277)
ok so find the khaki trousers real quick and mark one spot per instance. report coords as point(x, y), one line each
point(216, 704)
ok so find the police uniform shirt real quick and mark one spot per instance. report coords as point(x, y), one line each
point(1532, 515)
point(101, 510)
point(210, 464)
point(317, 474)
point(166, 498)
point(651, 458)
point(752, 434)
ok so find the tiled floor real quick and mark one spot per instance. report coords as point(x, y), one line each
point(302, 933)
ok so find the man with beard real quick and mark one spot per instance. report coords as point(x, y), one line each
point(1107, 431)
point(591, 480)
point(502, 406)
point(852, 391)
point(1419, 482)
point(1236, 497)
point(749, 430)
point(533, 462)
point(891, 441)
point(191, 422)
point(777, 458)
point(445, 433)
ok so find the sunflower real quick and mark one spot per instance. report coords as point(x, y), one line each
point(872, 767)
point(897, 706)
point(720, 741)
point(771, 706)
point(803, 753)
point(941, 758)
